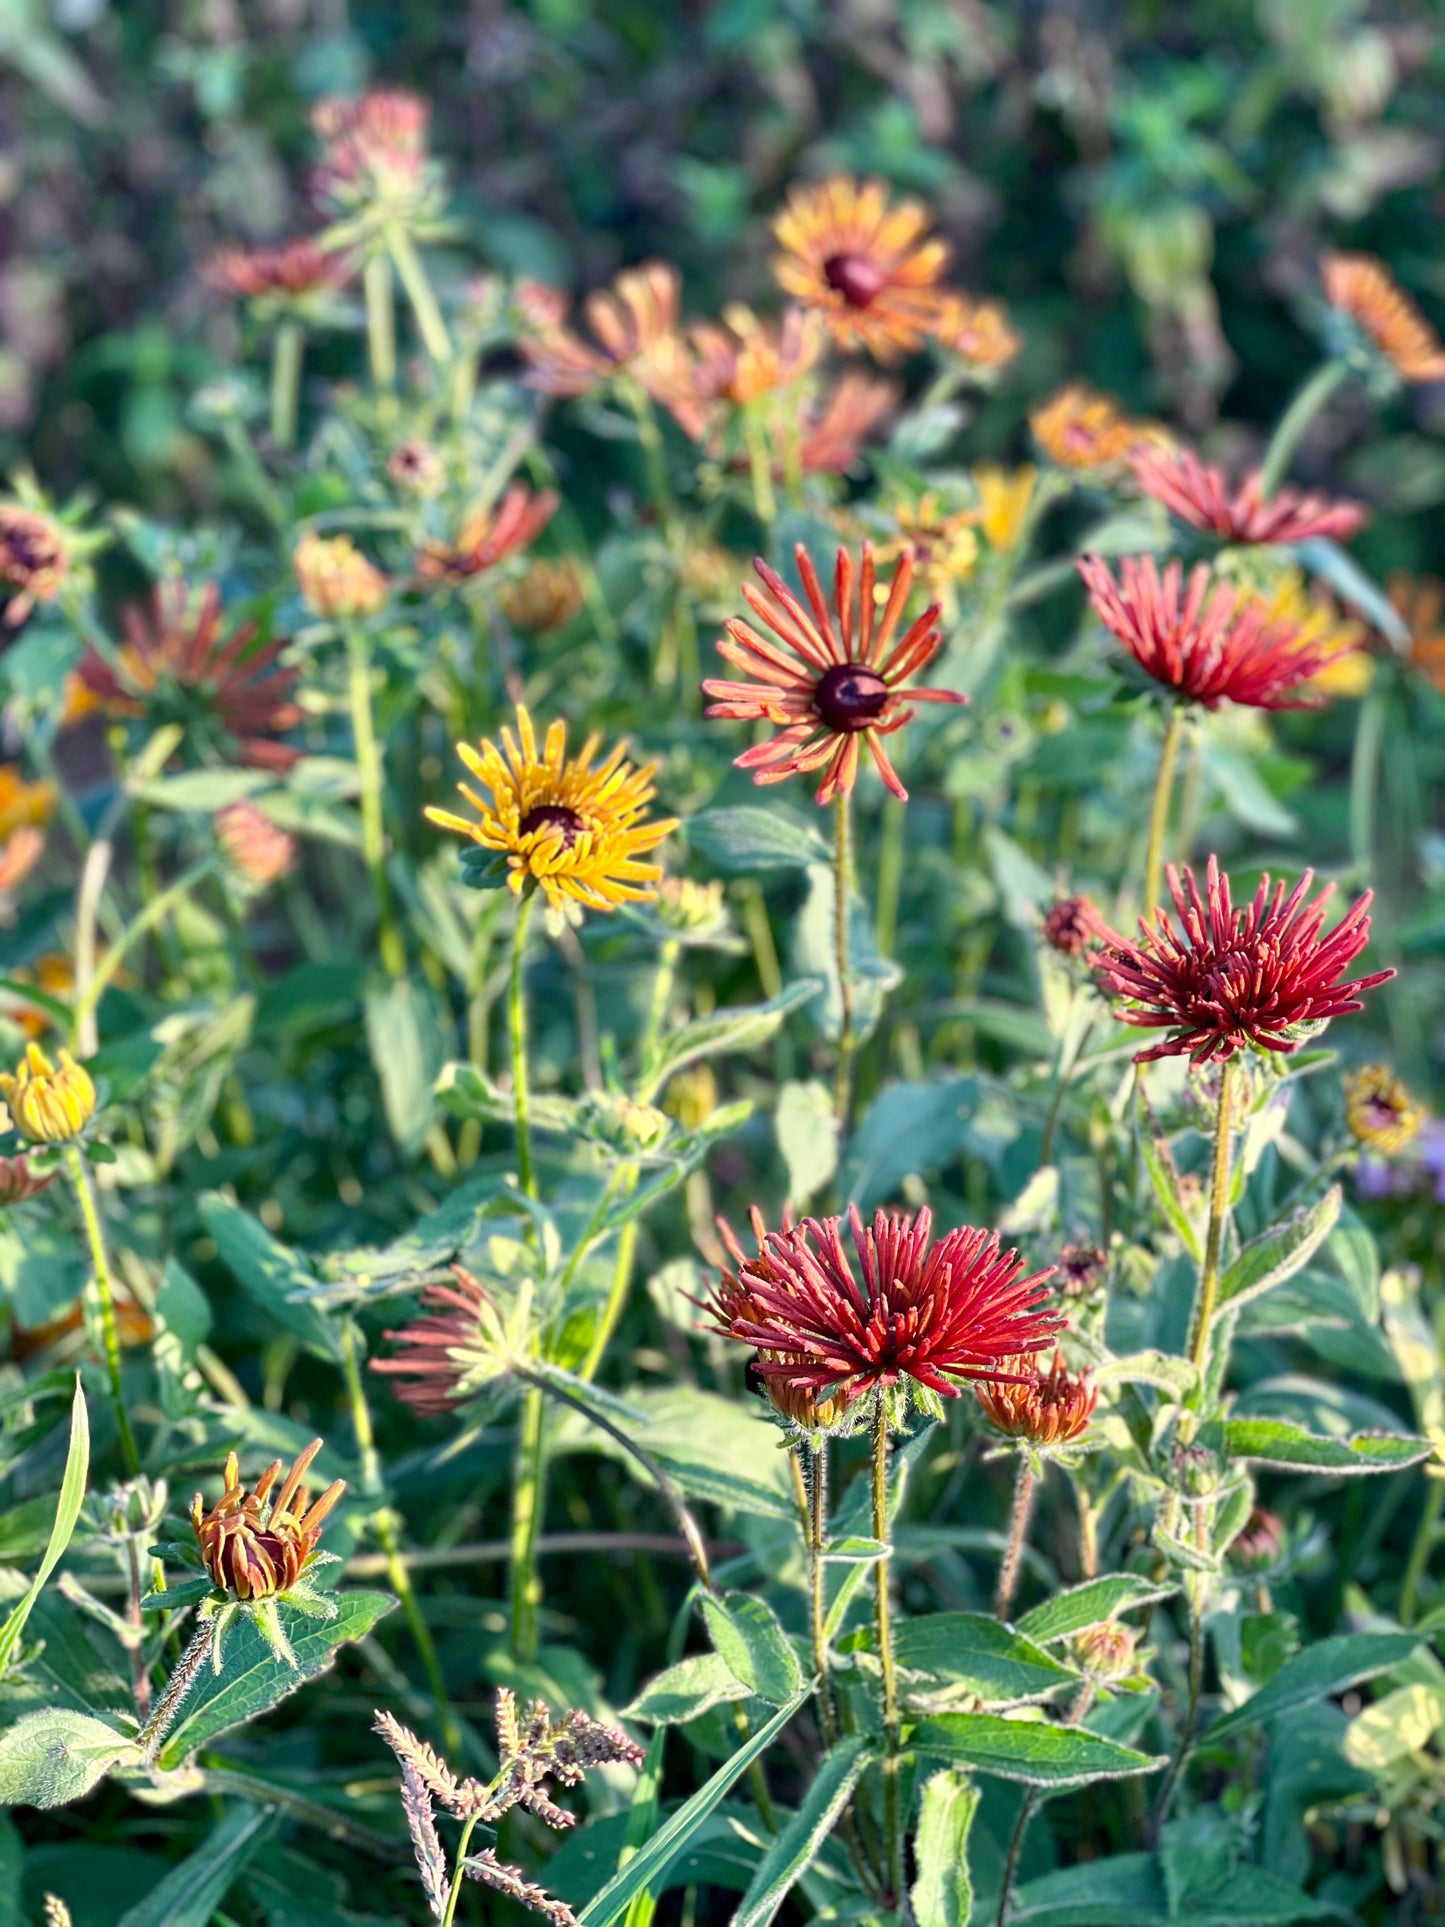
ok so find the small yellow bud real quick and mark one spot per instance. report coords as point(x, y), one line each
point(49, 1105)
point(336, 579)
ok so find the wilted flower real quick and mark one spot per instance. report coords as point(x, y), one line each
point(1079, 429)
point(19, 1181)
point(374, 158)
point(277, 277)
point(336, 579)
point(835, 424)
point(1045, 1408)
point(553, 820)
point(416, 467)
point(1080, 1269)
point(978, 332)
point(1073, 925)
point(260, 851)
point(487, 536)
point(634, 327)
point(545, 599)
point(826, 685)
point(254, 1546)
point(48, 1103)
point(944, 546)
point(1005, 497)
point(34, 559)
point(469, 1342)
point(1380, 1111)
point(1201, 497)
point(1259, 978)
point(176, 665)
point(1362, 288)
point(865, 267)
point(925, 1312)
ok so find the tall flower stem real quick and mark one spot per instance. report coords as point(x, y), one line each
point(286, 346)
point(1191, 1715)
point(1208, 1292)
point(84, 1186)
point(882, 1579)
point(1018, 1528)
point(656, 1014)
point(842, 884)
point(517, 1033)
point(1295, 420)
point(413, 277)
point(380, 321)
point(1159, 811)
point(181, 1681)
point(811, 1464)
point(530, 1470)
point(617, 1293)
point(459, 1876)
point(369, 768)
point(1015, 1848)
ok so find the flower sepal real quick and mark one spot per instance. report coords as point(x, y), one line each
point(483, 869)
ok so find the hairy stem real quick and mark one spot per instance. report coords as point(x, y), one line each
point(526, 1592)
point(413, 277)
point(842, 880)
point(1208, 1292)
point(1018, 1528)
point(1159, 810)
point(286, 346)
point(460, 1874)
point(380, 321)
point(813, 1473)
point(517, 1032)
point(181, 1681)
point(1015, 1848)
point(882, 1580)
point(369, 768)
point(84, 1187)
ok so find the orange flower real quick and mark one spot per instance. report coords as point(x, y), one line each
point(336, 579)
point(284, 273)
point(487, 537)
point(1361, 287)
point(260, 851)
point(865, 267)
point(1046, 1408)
point(1419, 602)
point(253, 1549)
point(837, 424)
point(978, 332)
point(634, 331)
point(375, 157)
point(1080, 429)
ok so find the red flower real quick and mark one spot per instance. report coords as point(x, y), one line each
point(1200, 496)
point(1046, 1408)
point(829, 684)
point(1211, 645)
point(294, 268)
point(933, 1313)
point(1073, 925)
point(1237, 979)
point(487, 536)
point(442, 1350)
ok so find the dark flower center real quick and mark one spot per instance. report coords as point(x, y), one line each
point(859, 280)
point(1380, 1113)
point(850, 696)
point(554, 816)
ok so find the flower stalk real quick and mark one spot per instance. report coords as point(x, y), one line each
point(842, 883)
point(286, 349)
point(883, 1621)
point(525, 1592)
point(1159, 810)
point(517, 1036)
point(369, 767)
point(78, 1168)
point(153, 1733)
point(1020, 1512)
point(1317, 391)
point(1218, 1209)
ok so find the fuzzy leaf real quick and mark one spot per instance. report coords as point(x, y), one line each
point(1318, 1672)
point(52, 1757)
point(67, 1512)
point(1029, 1750)
point(686, 1691)
point(408, 1040)
point(1279, 1253)
point(798, 1845)
point(975, 1654)
point(740, 1029)
point(750, 841)
point(273, 1274)
point(1277, 1442)
point(1090, 1604)
point(943, 1892)
point(746, 1633)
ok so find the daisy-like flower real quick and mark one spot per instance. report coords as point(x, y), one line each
point(634, 328)
point(866, 268)
point(279, 276)
point(1201, 496)
point(1081, 1269)
point(374, 158)
point(744, 357)
point(417, 468)
point(1046, 1408)
point(978, 332)
point(34, 560)
point(1210, 640)
point(576, 832)
point(1322, 627)
point(833, 679)
point(1263, 977)
point(437, 1367)
point(1079, 429)
point(48, 1103)
point(837, 423)
point(336, 579)
point(1381, 1113)
point(944, 545)
point(930, 1313)
point(1363, 289)
point(487, 536)
point(1005, 497)
point(177, 665)
point(254, 1546)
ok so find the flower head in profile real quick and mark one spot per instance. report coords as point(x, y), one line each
point(634, 331)
point(178, 665)
point(1080, 429)
point(34, 559)
point(1073, 925)
point(1211, 640)
point(465, 1342)
point(902, 1310)
point(831, 679)
point(1379, 1110)
point(275, 279)
point(1202, 497)
point(1363, 291)
point(374, 155)
point(20, 1181)
point(575, 831)
point(545, 599)
point(1419, 602)
point(835, 423)
point(1263, 977)
point(978, 332)
point(335, 579)
point(258, 850)
point(1045, 1408)
point(25, 809)
point(487, 536)
point(48, 1103)
point(255, 1546)
point(870, 270)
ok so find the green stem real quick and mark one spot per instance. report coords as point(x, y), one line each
point(380, 320)
point(657, 1011)
point(765, 502)
point(1066, 1063)
point(1295, 420)
point(369, 769)
point(1365, 776)
point(1218, 1208)
point(842, 884)
point(616, 1296)
point(815, 1479)
point(1421, 1547)
point(286, 349)
point(1018, 1527)
point(468, 1827)
point(418, 288)
point(1015, 1848)
point(517, 1031)
point(1191, 1716)
point(85, 1197)
point(1159, 812)
point(87, 1003)
point(882, 1578)
point(527, 1479)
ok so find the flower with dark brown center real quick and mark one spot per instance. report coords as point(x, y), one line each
point(254, 1546)
point(1201, 497)
point(1045, 1408)
point(869, 270)
point(1073, 925)
point(1080, 1270)
point(34, 559)
point(1259, 978)
point(1380, 1111)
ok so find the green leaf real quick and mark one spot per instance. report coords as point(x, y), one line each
point(1279, 1253)
point(54, 1756)
point(746, 1633)
point(912, 1129)
point(1402, 1723)
point(252, 1680)
point(1277, 1442)
point(807, 1134)
point(202, 791)
point(1125, 1890)
point(668, 1841)
point(686, 1691)
point(751, 841)
point(191, 1892)
point(973, 1653)
point(1029, 1750)
point(1166, 1191)
point(943, 1892)
point(409, 1045)
point(740, 1029)
point(1090, 1604)
point(1318, 1672)
point(67, 1511)
point(274, 1275)
point(798, 1845)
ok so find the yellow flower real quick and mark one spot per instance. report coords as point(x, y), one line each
point(865, 267)
point(1004, 500)
point(945, 548)
point(1359, 286)
point(574, 831)
point(1379, 1110)
point(336, 579)
point(1080, 429)
point(23, 805)
point(49, 1105)
point(978, 332)
point(1319, 623)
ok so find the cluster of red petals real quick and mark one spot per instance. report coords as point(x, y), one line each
point(834, 677)
point(487, 537)
point(1201, 497)
point(294, 268)
point(1073, 925)
point(439, 1349)
point(1237, 979)
point(1049, 1408)
point(1205, 638)
point(913, 1309)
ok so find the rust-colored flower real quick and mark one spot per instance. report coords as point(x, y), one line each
point(978, 332)
point(1359, 286)
point(1261, 1542)
point(1263, 977)
point(374, 154)
point(336, 579)
point(1208, 639)
point(634, 329)
point(836, 423)
point(254, 1546)
point(487, 536)
point(829, 684)
point(930, 1312)
point(279, 274)
point(1073, 925)
point(260, 851)
point(1108, 1651)
point(545, 599)
point(19, 854)
point(1381, 1113)
point(869, 270)
point(25, 809)
point(743, 358)
point(177, 665)
point(34, 559)
point(1046, 1408)
point(1419, 601)
point(1080, 429)
point(19, 1180)
point(1201, 497)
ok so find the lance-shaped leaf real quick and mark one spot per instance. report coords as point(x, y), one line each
point(1090, 1604)
point(1033, 1751)
point(746, 1633)
point(798, 1845)
point(67, 1511)
point(973, 1653)
point(943, 1893)
point(1319, 1671)
point(1278, 1442)
point(750, 841)
point(273, 1274)
point(686, 1691)
point(190, 1893)
point(1279, 1253)
point(740, 1029)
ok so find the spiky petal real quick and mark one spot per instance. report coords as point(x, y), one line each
point(1201, 496)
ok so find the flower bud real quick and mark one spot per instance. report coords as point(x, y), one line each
point(336, 579)
point(49, 1104)
point(258, 849)
point(1261, 1542)
point(1072, 925)
point(19, 1182)
point(251, 1548)
point(1107, 1652)
point(800, 1405)
point(1048, 1408)
point(1080, 1270)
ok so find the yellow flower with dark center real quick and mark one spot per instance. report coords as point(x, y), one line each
point(1379, 1110)
point(50, 1104)
point(1005, 497)
point(1080, 429)
point(978, 332)
point(944, 546)
point(575, 832)
point(865, 267)
point(336, 579)
point(23, 805)
point(254, 1546)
